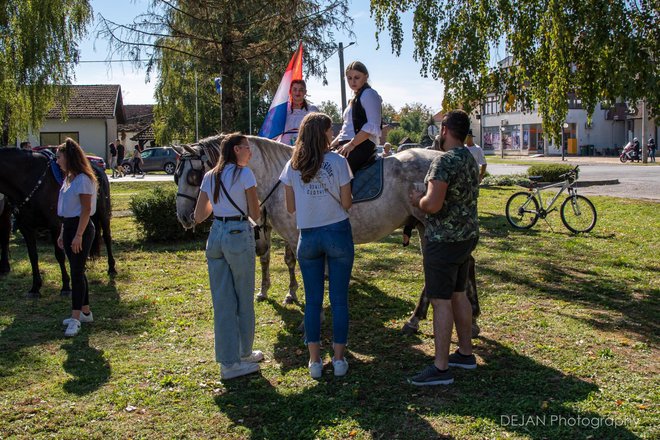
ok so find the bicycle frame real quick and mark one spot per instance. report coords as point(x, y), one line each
point(567, 184)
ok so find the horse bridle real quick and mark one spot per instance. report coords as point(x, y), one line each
point(36, 187)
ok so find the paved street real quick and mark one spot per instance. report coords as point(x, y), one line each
point(635, 181)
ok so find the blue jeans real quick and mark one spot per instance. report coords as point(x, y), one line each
point(335, 243)
point(231, 260)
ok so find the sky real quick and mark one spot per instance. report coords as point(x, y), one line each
point(397, 79)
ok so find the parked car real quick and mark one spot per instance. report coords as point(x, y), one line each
point(95, 160)
point(404, 147)
point(155, 159)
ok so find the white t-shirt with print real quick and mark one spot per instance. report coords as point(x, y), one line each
point(314, 205)
point(293, 119)
point(236, 184)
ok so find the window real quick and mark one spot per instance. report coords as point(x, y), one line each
point(51, 138)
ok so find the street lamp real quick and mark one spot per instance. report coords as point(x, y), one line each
point(341, 74)
point(563, 152)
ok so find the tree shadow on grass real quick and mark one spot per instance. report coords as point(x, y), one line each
point(88, 366)
point(505, 391)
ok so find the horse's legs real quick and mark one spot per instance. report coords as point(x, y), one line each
point(264, 259)
point(104, 220)
point(31, 244)
point(471, 291)
point(412, 325)
point(61, 260)
point(290, 260)
point(5, 234)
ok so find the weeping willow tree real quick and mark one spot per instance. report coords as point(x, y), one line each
point(38, 52)
point(227, 39)
point(599, 50)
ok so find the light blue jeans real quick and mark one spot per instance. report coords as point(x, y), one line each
point(231, 260)
point(335, 243)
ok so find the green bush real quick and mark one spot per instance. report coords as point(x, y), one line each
point(505, 180)
point(155, 216)
point(549, 172)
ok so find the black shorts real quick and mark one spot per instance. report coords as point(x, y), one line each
point(446, 267)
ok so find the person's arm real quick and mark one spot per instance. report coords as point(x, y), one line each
point(253, 203)
point(482, 174)
point(345, 196)
point(203, 207)
point(85, 213)
point(290, 199)
point(433, 200)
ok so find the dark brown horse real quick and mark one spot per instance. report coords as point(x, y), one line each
point(5, 232)
point(28, 183)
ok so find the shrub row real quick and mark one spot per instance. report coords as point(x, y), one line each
point(549, 172)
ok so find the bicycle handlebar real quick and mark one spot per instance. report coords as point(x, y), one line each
point(571, 173)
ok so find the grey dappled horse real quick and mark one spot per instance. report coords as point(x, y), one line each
point(370, 221)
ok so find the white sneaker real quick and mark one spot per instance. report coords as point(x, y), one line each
point(340, 367)
point(72, 328)
point(83, 318)
point(255, 356)
point(238, 369)
point(315, 369)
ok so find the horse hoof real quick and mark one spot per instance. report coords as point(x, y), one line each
point(409, 329)
point(32, 295)
point(261, 297)
point(475, 330)
point(65, 293)
point(289, 300)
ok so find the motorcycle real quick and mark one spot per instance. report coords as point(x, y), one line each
point(630, 153)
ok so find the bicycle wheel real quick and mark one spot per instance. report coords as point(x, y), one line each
point(578, 214)
point(522, 210)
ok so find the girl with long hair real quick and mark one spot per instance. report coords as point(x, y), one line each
point(76, 204)
point(297, 108)
point(229, 192)
point(318, 189)
point(361, 129)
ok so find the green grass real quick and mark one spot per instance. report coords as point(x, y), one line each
point(569, 329)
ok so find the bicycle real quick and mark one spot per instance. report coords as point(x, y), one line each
point(523, 209)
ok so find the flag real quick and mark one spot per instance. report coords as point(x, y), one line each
point(275, 121)
point(218, 85)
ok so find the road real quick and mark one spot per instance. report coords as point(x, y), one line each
point(635, 181)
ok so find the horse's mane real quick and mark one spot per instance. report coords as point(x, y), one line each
point(273, 153)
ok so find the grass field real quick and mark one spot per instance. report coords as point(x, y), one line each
point(568, 349)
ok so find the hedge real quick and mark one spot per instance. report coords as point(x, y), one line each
point(155, 216)
point(549, 172)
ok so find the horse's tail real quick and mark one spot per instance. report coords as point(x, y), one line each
point(103, 209)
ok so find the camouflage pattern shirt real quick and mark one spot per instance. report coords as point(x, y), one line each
point(457, 219)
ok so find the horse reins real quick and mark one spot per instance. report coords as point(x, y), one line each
point(41, 179)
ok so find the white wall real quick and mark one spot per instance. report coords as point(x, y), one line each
point(92, 133)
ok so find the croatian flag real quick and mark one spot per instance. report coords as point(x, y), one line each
point(275, 121)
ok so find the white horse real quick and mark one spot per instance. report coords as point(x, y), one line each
point(370, 221)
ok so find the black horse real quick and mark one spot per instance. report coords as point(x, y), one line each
point(5, 232)
point(29, 185)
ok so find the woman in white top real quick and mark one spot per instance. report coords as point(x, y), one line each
point(76, 204)
point(318, 189)
point(229, 192)
point(361, 130)
point(296, 110)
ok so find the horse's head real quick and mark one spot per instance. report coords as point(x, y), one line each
point(193, 163)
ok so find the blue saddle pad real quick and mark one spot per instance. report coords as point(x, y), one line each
point(368, 182)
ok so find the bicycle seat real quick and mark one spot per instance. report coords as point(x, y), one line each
point(535, 178)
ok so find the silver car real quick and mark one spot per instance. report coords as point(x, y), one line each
point(155, 159)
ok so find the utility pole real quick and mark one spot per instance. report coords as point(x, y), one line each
point(250, 101)
point(341, 74)
point(196, 112)
point(645, 151)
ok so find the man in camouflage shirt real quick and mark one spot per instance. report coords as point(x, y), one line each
point(452, 234)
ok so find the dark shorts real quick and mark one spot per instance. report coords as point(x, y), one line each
point(446, 267)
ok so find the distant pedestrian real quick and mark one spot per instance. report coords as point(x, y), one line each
point(137, 163)
point(121, 151)
point(651, 147)
point(113, 159)
point(27, 146)
point(478, 154)
point(387, 149)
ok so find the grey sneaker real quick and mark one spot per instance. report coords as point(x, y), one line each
point(72, 328)
point(255, 356)
point(340, 367)
point(315, 369)
point(238, 369)
point(83, 318)
point(431, 376)
point(458, 360)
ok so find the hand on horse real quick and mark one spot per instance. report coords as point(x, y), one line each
point(60, 242)
point(346, 149)
point(415, 196)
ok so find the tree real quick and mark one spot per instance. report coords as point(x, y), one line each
point(395, 135)
point(413, 119)
point(331, 109)
point(225, 38)
point(38, 52)
point(389, 113)
point(597, 49)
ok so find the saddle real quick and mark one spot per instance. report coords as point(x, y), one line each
point(368, 182)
